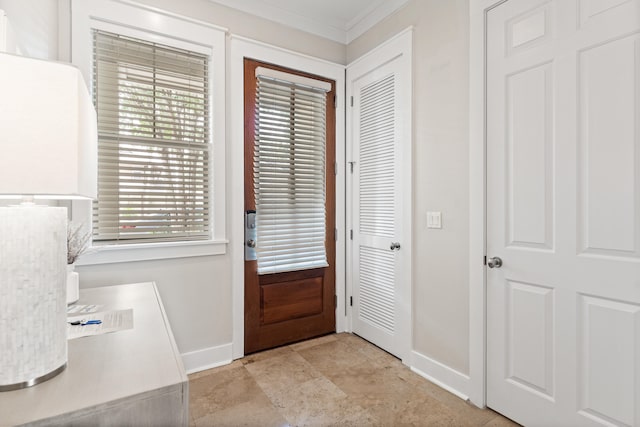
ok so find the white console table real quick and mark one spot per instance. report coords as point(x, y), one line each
point(132, 377)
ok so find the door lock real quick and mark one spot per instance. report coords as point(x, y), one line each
point(250, 236)
point(495, 262)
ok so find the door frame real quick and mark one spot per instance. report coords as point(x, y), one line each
point(477, 199)
point(240, 47)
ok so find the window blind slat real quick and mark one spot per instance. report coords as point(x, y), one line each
point(141, 202)
point(141, 114)
point(153, 141)
point(140, 53)
point(289, 176)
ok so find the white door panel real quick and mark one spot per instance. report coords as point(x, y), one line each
point(563, 211)
point(376, 222)
point(379, 134)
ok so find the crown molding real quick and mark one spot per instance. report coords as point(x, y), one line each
point(370, 17)
point(336, 31)
point(285, 17)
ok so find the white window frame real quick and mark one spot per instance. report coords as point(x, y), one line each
point(147, 23)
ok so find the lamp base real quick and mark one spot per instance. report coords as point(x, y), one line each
point(41, 379)
point(33, 285)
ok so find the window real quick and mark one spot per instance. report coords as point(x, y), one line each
point(153, 141)
point(158, 80)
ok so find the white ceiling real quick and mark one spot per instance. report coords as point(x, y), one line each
point(338, 20)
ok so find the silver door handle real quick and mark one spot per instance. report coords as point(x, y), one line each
point(495, 262)
point(394, 246)
point(251, 243)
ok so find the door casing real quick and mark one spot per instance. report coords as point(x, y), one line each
point(477, 199)
point(240, 48)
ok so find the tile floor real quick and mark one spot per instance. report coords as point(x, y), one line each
point(334, 380)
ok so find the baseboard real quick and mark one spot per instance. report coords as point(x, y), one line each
point(207, 358)
point(441, 375)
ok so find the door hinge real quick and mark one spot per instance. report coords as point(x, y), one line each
point(352, 101)
point(335, 101)
point(351, 234)
point(351, 165)
point(335, 234)
point(351, 301)
point(335, 301)
point(335, 167)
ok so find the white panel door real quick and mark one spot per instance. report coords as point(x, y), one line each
point(379, 125)
point(563, 211)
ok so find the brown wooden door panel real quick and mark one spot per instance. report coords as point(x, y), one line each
point(291, 300)
point(291, 320)
point(285, 307)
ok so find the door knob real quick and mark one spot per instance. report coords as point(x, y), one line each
point(251, 243)
point(495, 262)
point(394, 246)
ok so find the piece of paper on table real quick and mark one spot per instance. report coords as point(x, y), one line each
point(112, 321)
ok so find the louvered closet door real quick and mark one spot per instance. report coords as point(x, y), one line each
point(378, 199)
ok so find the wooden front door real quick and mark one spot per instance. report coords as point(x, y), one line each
point(289, 206)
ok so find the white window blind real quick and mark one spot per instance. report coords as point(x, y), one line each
point(153, 141)
point(289, 175)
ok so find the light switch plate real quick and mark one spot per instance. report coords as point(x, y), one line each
point(434, 219)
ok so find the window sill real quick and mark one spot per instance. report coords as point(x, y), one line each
point(110, 254)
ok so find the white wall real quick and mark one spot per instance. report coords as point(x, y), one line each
point(32, 27)
point(441, 178)
point(196, 291)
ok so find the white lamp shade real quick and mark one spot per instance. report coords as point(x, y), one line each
point(48, 135)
